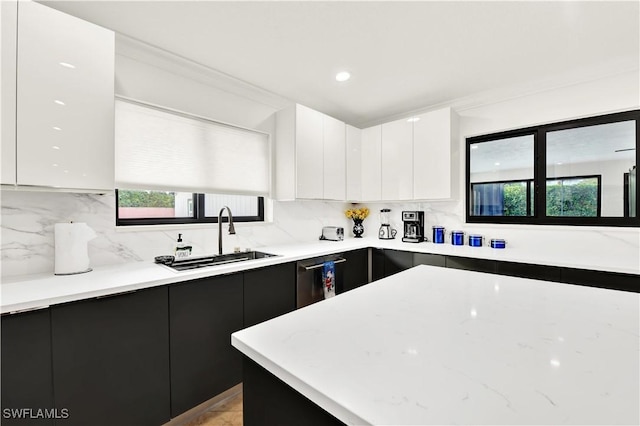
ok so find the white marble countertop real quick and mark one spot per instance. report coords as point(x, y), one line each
point(36, 291)
point(442, 346)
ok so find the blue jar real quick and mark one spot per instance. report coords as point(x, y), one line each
point(498, 243)
point(475, 240)
point(438, 234)
point(457, 238)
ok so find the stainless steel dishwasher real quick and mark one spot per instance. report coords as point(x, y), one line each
point(309, 278)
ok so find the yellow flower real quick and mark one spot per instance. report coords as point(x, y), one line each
point(357, 213)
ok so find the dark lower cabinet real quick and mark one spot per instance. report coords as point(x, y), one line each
point(396, 261)
point(27, 379)
point(377, 264)
point(429, 259)
point(524, 270)
point(267, 400)
point(111, 359)
point(611, 280)
point(356, 270)
point(269, 292)
point(471, 264)
point(202, 315)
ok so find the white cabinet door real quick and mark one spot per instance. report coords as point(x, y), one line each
point(309, 153)
point(9, 21)
point(334, 147)
point(354, 163)
point(65, 101)
point(397, 160)
point(435, 155)
point(371, 163)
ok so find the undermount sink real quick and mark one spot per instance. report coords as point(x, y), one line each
point(220, 259)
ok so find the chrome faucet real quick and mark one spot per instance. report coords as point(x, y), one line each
point(232, 230)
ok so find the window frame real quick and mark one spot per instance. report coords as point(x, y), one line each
point(539, 133)
point(198, 215)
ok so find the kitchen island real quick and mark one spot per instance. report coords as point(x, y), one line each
point(433, 345)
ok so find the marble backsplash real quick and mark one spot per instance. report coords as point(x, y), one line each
point(28, 218)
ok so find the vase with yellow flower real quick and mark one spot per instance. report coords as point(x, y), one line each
point(357, 215)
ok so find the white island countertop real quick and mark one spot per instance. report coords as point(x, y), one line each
point(442, 346)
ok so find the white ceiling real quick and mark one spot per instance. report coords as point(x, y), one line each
point(403, 56)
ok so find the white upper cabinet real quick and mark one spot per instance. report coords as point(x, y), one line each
point(354, 163)
point(397, 160)
point(8, 28)
point(435, 155)
point(310, 151)
point(371, 149)
point(65, 101)
point(335, 172)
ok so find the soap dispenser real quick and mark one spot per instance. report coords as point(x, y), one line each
point(182, 251)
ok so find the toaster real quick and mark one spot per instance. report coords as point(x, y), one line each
point(332, 233)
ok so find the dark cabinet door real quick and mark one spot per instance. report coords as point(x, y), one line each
point(377, 264)
point(269, 292)
point(602, 279)
point(396, 261)
point(26, 366)
point(524, 270)
point(111, 359)
point(471, 264)
point(202, 315)
point(356, 270)
point(429, 259)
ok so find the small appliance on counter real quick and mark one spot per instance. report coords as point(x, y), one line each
point(332, 233)
point(386, 232)
point(413, 226)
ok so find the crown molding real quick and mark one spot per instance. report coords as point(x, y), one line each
point(146, 53)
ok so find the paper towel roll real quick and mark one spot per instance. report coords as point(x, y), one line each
point(71, 250)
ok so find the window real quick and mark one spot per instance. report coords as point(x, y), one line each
point(580, 172)
point(164, 207)
point(189, 166)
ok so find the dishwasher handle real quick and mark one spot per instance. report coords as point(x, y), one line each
point(320, 265)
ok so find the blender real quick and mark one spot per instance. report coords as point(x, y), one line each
point(386, 232)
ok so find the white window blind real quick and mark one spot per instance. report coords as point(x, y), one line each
point(163, 150)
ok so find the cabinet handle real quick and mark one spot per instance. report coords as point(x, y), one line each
point(115, 294)
point(320, 265)
point(21, 311)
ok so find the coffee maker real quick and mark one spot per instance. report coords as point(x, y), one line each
point(386, 232)
point(413, 226)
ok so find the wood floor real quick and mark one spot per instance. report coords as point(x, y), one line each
point(227, 413)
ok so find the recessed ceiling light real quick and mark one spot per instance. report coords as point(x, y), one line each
point(413, 119)
point(343, 76)
point(55, 147)
point(56, 128)
point(59, 102)
point(67, 65)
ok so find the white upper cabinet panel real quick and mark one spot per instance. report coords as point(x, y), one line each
point(309, 153)
point(317, 142)
point(9, 11)
point(371, 164)
point(397, 160)
point(354, 163)
point(435, 155)
point(334, 146)
point(65, 101)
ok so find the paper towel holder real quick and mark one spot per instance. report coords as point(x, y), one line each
point(71, 248)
